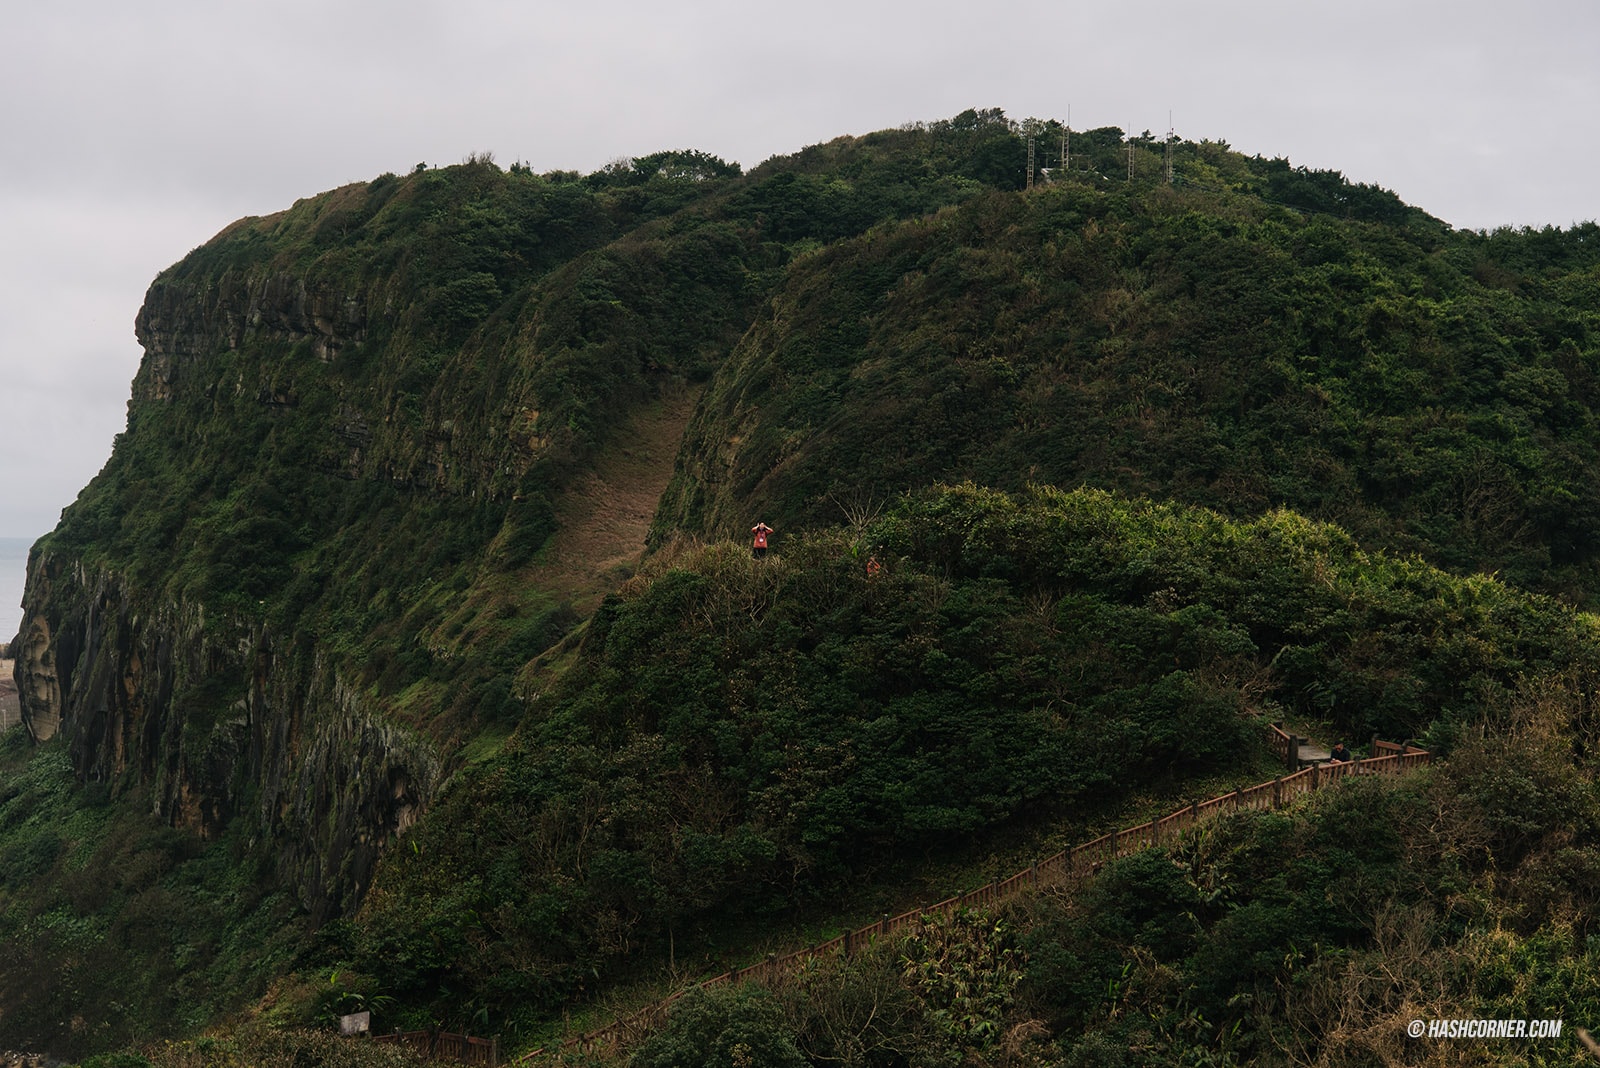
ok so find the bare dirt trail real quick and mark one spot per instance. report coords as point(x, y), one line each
point(605, 515)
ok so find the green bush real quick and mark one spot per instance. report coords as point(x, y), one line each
point(730, 1027)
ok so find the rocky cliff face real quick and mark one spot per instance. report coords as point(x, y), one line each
point(299, 583)
point(220, 720)
point(181, 324)
point(218, 715)
point(190, 327)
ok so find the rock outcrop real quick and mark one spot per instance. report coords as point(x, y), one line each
point(10, 706)
point(220, 720)
point(219, 716)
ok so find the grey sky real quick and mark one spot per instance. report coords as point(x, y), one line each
point(130, 133)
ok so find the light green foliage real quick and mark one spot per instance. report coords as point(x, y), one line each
point(965, 967)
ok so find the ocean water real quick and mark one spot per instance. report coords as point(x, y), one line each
point(13, 574)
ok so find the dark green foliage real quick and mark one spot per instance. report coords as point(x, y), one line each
point(1328, 193)
point(1348, 362)
point(1019, 656)
point(1375, 644)
point(144, 930)
point(531, 521)
point(1332, 925)
point(738, 1027)
point(364, 419)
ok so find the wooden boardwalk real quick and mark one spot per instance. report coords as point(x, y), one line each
point(1298, 752)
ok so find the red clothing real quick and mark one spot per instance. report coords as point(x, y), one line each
point(761, 530)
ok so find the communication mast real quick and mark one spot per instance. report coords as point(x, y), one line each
point(1030, 163)
point(1066, 142)
point(1130, 152)
point(1170, 139)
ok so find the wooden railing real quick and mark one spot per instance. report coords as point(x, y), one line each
point(1381, 748)
point(1079, 860)
point(1280, 740)
point(447, 1046)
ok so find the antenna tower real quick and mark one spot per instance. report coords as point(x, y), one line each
point(1130, 153)
point(1066, 145)
point(1170, 138)
point(1030, 163)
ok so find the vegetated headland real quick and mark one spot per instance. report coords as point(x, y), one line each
point(409, 654)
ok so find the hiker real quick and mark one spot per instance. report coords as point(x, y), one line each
point(1340, 754)
point(873, 567)
point(760, 531)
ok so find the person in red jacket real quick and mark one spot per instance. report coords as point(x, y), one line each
point(760, 532)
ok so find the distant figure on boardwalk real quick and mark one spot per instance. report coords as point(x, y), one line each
point(760, 532)
point(1340, 754)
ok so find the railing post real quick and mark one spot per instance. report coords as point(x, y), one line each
point(1315, 775)
point(883, 925)
point(1111, 845)
point(1277, 792)
point(1293, 752)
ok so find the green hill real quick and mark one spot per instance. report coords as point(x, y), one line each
point(1190, 342)
point(742, 738)
point(349, 680)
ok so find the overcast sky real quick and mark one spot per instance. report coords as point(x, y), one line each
point(130, 133)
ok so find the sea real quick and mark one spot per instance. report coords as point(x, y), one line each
point(13, 575)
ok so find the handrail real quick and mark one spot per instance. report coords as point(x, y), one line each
point(1081, 858)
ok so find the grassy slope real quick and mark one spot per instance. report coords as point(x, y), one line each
point(602, 521)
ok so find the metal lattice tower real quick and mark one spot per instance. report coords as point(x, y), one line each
point(1030, 163)
point(1171, 137)
point(1066, 142)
